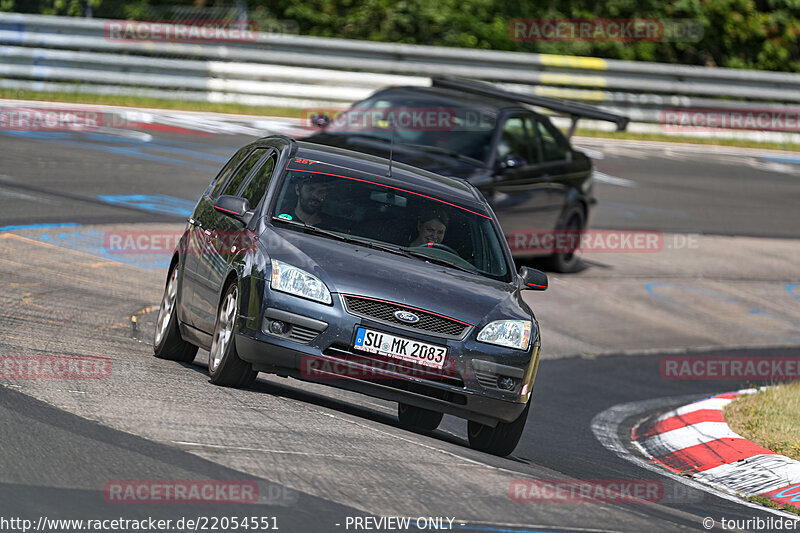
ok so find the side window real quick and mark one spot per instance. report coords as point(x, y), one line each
point(247, 166)
point(553, 148)
point(222, 177)
point(515, 139)
point(255, 190)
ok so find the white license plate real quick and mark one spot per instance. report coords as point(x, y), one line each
point(368, 340)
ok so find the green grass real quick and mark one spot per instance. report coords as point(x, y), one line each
point(184, 105)
point(771, 419)
point(741, 143)
point(141, 101)
point(769, 503)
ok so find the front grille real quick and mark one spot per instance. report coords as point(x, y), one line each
point(384, 312)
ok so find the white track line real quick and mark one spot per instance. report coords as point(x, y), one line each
point(602, 177)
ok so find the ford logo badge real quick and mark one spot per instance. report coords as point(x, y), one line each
point(406, 316)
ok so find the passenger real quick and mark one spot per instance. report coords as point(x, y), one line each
point(431, 228)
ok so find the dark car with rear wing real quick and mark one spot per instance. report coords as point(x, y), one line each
point(534, 180)
point(345, 269)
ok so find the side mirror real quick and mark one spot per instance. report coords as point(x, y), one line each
point(320, 120)
point(234, 207)
point(532, 279)
point(511, 161)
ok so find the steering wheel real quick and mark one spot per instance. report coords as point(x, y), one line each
point(441, 246)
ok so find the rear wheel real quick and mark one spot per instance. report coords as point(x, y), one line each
point(501, 439)
point(224, 365)
point(418, 418)
point(568, 261)
point(168, 343)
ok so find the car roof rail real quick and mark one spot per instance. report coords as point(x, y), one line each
point(574, 110)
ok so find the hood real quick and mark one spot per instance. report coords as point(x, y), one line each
point(434, 162)
point(358, 270)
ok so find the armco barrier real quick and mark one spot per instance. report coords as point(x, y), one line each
point(63, 53)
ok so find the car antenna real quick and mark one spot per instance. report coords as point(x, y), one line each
point(391, 150)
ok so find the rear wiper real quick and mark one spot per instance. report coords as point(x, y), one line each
point(440, 150)
point(362, 136)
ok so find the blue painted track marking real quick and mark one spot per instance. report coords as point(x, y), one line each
point(91, 242)
point(794, 290)
point(39, 226)
point(156, 203)
point(650, 288)
point(66, 139)
point(794, 160)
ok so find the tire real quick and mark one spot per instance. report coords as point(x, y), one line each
point(224, 365)
point(418, 418)
point(167, 342)
point(499, 440)
point(568, 262)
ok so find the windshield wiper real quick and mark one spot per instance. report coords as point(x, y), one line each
point(312, 229)
point(398, 250)
point(439, 261)
point(345, 238)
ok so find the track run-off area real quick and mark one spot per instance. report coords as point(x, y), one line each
point(724, 282)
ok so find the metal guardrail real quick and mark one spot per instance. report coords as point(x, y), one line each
point(62, 54)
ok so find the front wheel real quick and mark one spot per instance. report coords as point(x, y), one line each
point(168, 343)
point(501, 439)
point(224, 365)
point(418, 418)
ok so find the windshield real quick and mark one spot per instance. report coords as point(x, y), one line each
point(391, 219)
point(446, 128)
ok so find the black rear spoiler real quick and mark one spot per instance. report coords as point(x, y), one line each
point(573, 110)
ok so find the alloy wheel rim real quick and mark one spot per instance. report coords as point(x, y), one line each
point(167, 306)
point(224, 330)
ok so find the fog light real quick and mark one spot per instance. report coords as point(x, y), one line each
point(277, 327)
point(505, 383)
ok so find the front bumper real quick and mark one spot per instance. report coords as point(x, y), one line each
point(464, 388)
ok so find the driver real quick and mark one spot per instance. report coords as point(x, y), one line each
point(431, 228)
point(312, 190)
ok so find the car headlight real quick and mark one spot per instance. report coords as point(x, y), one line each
point(287, 278)
point(511, 333)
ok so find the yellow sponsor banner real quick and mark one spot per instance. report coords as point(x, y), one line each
point(571, 94)
point(570, 79)
point(595, 63)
